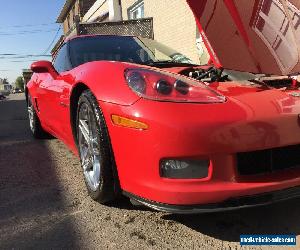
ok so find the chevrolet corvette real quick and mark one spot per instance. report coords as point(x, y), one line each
point(149, 123)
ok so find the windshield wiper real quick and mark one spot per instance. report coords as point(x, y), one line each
point(168, 62)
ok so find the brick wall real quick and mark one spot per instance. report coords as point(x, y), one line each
point(174, 24)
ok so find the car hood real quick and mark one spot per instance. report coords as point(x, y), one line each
point(259, 36)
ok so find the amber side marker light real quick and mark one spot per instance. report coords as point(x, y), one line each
point(128, 123)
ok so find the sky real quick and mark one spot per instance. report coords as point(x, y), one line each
point(27, 27)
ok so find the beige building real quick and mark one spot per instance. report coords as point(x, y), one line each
point(173, 21)
point(5, 87)
point(71, 10)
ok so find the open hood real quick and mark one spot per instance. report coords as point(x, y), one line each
point(259, 36)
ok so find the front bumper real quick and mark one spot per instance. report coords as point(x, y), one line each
point(228, 205)
point(197, 131)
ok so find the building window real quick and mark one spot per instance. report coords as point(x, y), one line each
point(136, 11)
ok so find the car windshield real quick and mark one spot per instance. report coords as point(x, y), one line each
point(123, 49)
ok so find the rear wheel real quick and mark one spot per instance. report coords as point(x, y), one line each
point(34, 122)
point(95, 150)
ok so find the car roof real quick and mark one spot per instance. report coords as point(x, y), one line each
point(93, 35)
point(70, 38)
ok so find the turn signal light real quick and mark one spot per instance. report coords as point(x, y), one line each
point(128, 123)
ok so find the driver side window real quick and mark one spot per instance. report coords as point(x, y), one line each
point(61, 62)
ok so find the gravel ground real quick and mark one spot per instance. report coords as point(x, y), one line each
point(44, 204)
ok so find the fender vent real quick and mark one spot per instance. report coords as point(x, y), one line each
point(269, 160)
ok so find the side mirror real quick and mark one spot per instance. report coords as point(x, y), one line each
point(44, 67)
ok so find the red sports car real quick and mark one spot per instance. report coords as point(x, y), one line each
point(149, 123)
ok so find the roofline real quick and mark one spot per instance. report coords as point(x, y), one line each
point(70, 38)
point(64, 11)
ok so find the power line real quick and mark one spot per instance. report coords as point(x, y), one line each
point(9, 54)
point(22, 31)
point(26, 25)
point(22, 57)
point(24, 61)
point(52, 42)
point(28, 32)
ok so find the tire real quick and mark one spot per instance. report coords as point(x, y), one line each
point(34, 123)
point(95, 150)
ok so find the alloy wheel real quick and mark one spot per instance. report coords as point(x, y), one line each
point(30, 115)
point(88, 140)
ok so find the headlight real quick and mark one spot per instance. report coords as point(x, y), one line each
point(164, 86)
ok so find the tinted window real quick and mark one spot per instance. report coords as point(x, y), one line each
point(123, 49)
point(61, 61)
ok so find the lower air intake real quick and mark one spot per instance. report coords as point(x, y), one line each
point(268, 161)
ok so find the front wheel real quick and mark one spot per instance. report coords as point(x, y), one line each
point(95, 150)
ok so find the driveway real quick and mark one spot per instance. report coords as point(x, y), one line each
point(44, 204)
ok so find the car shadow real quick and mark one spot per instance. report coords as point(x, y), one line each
point(33, 212)
point(124, 203)
point(280, 218)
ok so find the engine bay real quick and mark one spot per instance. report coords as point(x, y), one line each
point(210, 75)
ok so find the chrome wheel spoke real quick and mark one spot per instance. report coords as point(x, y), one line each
point(94, 146)
point(85, 158)
point(89, 147)
point(30, 115)
point(96, 174)
point(84, 130)
point(29, 110)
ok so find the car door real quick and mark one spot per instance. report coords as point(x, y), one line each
point(60, 91)
point(53, 95)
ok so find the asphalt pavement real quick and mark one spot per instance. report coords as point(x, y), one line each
point(44, 204)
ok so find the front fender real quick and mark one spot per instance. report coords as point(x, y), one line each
point(106, 80)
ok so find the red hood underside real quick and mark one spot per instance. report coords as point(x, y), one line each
point(259, 36)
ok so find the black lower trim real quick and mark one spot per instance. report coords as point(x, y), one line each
point(230, 204)
point(269, 160)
